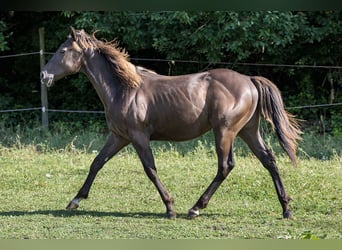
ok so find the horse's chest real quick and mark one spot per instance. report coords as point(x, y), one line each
point(116, 124)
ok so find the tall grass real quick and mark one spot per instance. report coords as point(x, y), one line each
point(63, 136)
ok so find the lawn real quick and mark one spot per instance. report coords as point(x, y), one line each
point(37, 183)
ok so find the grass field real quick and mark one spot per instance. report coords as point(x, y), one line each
point(38, 181)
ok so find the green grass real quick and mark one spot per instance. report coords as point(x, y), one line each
point(39, 176)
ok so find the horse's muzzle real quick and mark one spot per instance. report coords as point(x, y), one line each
point(46, 78)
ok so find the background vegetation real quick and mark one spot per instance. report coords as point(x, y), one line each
point(205, 38)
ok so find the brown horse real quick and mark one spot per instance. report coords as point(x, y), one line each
point(141, 106)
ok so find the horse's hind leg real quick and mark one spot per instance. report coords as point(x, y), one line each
point(112, 146)
point(224, 149)
point(253, 139)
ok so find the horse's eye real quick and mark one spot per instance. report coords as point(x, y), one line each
point(64, 50)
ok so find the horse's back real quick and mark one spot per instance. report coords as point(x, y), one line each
point(234, 81)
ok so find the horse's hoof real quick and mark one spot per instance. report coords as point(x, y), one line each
point(287, 214)
point(171, 215)
point(193, 214)
point(72, 205)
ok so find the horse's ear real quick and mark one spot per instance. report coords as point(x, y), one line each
point(72, 32)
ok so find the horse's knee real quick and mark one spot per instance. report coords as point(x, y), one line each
point(230, 163)
point(225, 170)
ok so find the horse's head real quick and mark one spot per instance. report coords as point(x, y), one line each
point(67, 60)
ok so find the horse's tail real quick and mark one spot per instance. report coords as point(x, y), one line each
point(272, 109)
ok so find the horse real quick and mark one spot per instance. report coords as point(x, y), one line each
point(141, 105)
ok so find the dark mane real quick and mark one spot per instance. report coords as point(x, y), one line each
point(117, 56)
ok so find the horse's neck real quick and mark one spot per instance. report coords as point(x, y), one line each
point(100, 74)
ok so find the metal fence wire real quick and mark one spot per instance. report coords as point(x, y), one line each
point(43, 109)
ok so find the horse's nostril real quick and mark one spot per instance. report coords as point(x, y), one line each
point(44, 75)
point(46, 78)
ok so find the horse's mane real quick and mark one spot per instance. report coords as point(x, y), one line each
point(115, 55)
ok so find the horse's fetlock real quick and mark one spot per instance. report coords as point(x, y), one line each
point(193, 213)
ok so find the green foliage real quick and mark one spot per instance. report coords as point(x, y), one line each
point(220, 35)
point(3, 36)
point(210, 37)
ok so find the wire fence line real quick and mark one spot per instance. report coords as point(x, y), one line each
point(20, 54)
point(76, 111)
point(19, 110)
point(102, 112)
point(199, 62)
point(242, 63)
point(25, 54)
point(52, 110)
point(43, 109)
point(316, 106)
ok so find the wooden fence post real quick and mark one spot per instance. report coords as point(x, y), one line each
point(43, 89)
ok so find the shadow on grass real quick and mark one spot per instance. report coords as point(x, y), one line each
point(67, 213)
point(73, 213)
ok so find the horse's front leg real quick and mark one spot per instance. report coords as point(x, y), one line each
point(141, 144)
point(113, 145)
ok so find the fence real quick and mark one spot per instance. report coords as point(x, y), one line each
point(44, 99)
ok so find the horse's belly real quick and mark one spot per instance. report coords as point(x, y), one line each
point(179, 130)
